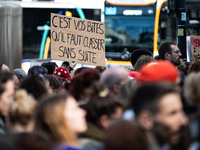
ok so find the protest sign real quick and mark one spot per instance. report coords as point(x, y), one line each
point(195, 47)
point(75, 39)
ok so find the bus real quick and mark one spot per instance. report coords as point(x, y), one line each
point(135, 24)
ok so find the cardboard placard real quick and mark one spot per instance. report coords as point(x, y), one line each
point(75, 39)
point(195, 47)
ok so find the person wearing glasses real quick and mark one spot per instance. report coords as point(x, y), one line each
point(169, 51)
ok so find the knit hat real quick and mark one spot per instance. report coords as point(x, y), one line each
point(62, 73)
point(158, 71)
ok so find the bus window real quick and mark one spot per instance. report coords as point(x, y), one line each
point(128, 28)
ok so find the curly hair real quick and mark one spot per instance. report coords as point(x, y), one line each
point(81, 81)
point(137, 53)
point(22, 109)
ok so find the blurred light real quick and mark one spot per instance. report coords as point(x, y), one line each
point(111, 10)
point(42, 28)
point(150, 11)
point(108, 40)
point(132, 12)
point(193, 21)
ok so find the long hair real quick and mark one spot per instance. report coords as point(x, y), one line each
point(50, 119)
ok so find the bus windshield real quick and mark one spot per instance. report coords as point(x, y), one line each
point(128, 28)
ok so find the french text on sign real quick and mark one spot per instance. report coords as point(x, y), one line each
point(75, 39)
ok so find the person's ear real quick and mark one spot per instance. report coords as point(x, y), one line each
point(115, 88)
point(167, 56)
point(104, 121)
point(145, 119)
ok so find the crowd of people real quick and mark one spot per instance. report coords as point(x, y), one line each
point(155, 106)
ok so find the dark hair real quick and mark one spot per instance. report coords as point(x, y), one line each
point(100, 68)
point(54, 82)
point(100, 102)
point(37, 70)
point(80, 70)
point(144, 59)
point(126, 135)
point(137, 53)
point(25, 141)
point(195, 67)
point(165, 48)
point(157, 57)
point(32, 141)
point(1, 66)
point(50, 66)
point(83, 80)
point(65, 64)
point(35, 85)
point(4, 78)
point(147, 97)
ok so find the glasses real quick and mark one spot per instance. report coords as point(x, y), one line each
point(178, 51)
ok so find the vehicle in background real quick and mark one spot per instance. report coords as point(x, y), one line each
point(129, 25)
point(134, 24)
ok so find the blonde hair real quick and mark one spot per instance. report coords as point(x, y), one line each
point(50, 119)
point(22, 109)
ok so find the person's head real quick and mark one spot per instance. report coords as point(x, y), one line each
point(125, 92)
point(158, 110)
point(169, 51)
point(157, 57)
point(37, 70)
point(126, 135)
point(100, 68)
point(62, 72)
point(142, 61)
point(50, 66)
point(80, 70)
point(54, 82)
point(195, 67)
point(158, 71)
point(191, 88)
point(102, 109)
point(21, 113)
point(36, 85)
point(60, 118)
point(4, 67)
point(65, 64)
point(187, 68)
point(137, 53)
point(113, 77)
point(82, 81)
point(25, 141)
point(6, 92)
point(21, 74)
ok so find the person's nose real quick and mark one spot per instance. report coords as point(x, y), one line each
point(183, 119)
point(180, 54)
